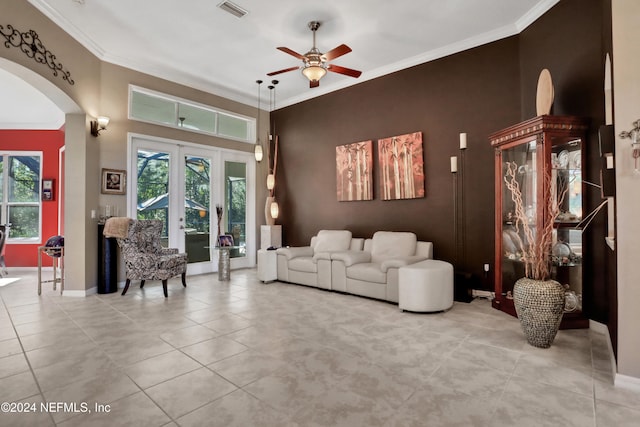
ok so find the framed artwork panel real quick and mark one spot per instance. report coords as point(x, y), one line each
point(114, 181)
point(401, 167)
point(353, 171)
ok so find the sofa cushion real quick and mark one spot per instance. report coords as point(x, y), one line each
point(332, 240)
point(306, 264)
point(367, 272)
point(392, 244)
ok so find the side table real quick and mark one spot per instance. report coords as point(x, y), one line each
point(267, 265)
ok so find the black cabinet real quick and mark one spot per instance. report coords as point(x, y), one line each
point(107, 263)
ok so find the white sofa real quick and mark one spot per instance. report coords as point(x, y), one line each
point(311, 265)
point(336, 261)
point(373, 272)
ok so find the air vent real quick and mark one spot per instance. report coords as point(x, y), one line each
point(232, 8)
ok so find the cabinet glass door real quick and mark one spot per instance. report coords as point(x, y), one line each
point(566, 174)
point(519, 162)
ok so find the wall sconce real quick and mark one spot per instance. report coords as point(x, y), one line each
point(463, 141)
point(454, 164)
point(634, 136)
point(98, 125)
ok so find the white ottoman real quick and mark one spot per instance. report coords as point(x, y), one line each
point(425, 286)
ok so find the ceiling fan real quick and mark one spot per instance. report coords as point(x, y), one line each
point(315, 63)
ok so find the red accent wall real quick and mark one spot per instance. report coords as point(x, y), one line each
point(48, 142)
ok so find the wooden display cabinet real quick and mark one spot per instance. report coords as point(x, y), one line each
point(545, 147)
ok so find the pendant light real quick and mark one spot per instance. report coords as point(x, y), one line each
point(258, 148)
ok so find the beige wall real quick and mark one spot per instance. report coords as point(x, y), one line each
point(75, 100)
point(114, 104)
point(101, 89)
point(626, 83)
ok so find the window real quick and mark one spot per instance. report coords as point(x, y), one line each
point(20, 177)
point(154, 107)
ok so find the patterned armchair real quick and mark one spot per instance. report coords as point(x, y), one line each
point(146, 259)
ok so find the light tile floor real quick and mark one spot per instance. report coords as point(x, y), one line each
point(243, 353)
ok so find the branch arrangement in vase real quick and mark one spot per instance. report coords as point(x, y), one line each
point(535, 249)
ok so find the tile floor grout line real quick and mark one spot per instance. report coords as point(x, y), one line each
point(24, 354)
point(310, 331)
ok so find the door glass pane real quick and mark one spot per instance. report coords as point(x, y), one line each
point(197, 208)
point(153, 188)
point(235, 174)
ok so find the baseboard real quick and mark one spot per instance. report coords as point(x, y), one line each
point(477, 293)
point(74, 293)
point(627, 382)
point(601, 328)
point(598, 327)
point(619, 380)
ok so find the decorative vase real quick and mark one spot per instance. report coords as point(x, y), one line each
point(269, 220)
point(539, 305)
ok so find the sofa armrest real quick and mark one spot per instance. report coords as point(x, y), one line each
point(295, 251)
point(400, 262)
point(425, 249)
point(321, 255)
point(168, 251)
point(351, 257)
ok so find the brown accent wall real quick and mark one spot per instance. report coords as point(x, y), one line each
point(476, 91)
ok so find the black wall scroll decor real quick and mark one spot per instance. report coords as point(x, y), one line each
point(30, 44)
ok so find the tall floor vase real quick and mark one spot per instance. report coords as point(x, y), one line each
point(540, 306)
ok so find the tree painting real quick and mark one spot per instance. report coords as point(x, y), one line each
point(353, 171)
point(401, 167)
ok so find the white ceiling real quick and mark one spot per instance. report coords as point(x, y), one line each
point(197, 44)
point(25, 107)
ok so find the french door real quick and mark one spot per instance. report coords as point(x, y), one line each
point(183, 185)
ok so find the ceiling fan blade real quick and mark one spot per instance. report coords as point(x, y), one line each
point(291, 52)
point(343, 70)
point(314, 83)
point(282, 71)
point(336, 52)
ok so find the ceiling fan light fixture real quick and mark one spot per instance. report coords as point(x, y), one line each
point(314, 72)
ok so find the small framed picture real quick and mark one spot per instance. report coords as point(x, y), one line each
point(114, 181)
point(47, 189)
point(225, 240)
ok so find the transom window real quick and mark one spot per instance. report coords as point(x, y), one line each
point(20, 177)
point(154, 107)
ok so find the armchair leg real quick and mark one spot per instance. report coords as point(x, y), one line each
point(141, 284)
point(164, 288)
point(184, 279)
point(126, 286)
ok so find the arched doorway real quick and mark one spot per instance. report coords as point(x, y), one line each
point(75, 134)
